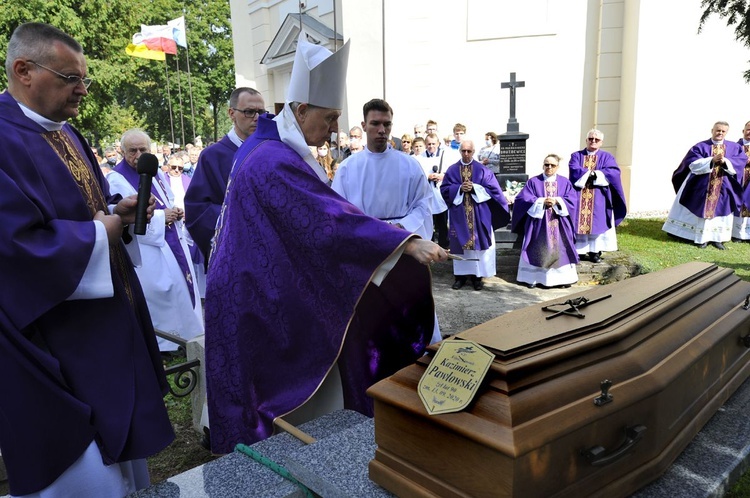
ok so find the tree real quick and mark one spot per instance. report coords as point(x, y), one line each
point(130, 92)
point(736, 13)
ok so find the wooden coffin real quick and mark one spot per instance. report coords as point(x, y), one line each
point(674, 345)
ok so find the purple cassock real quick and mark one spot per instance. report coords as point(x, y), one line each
point(289, 295)
point(548, 242)
point(486, 216)
point(743, 177)
point(73, 370)
point(205, 194)
point(608, 202)
point(694, 194)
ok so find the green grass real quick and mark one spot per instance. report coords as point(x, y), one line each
point(644, 242)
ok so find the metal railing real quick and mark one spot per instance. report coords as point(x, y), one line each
point(185, 375)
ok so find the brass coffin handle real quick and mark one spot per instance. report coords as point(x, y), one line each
point(597, 455)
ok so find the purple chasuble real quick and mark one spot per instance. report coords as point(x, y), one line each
point(288, 295)
point(206, 193)
point(78, 370)
point(548, 242)
point(696, 186)
point(487, 216)
point(609, 202)
point(171, 236)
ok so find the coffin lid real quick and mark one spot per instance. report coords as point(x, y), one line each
point(527, 333)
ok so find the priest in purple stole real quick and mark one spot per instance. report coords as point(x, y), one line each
point(601, 200)
point(543, 213)
point(709, 193)
point(82, 378)
point(476, 208)
point(741, 225)
point(166, 271)
point(305, 292)
point(205, 195)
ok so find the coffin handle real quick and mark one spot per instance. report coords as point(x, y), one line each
point(597, 454)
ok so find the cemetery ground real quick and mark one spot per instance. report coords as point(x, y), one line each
point(644, 248)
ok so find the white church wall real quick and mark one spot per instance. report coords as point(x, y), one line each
point(661, 85)
point(685, 82)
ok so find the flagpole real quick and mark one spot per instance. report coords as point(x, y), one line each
point(190, 89)
point(169, 101)
point(179, 91)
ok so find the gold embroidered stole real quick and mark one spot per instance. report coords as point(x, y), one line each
point(550, 190)
point(586, 200)
point(468, 206)
point(745, 212)
point(715, 179)
point(91, 191)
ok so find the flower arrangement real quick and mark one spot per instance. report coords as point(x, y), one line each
point(512, 189)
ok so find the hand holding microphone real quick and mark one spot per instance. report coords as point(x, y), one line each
point(147, 167)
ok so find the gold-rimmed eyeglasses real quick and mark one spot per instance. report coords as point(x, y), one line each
point(71, 79)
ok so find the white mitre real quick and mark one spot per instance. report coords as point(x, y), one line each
point(318, 75)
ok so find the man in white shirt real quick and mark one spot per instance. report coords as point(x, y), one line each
point(382, 182)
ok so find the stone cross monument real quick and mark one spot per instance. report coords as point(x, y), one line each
point(512, 142)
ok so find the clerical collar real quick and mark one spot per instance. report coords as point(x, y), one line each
point(745, 142)
point(551, 178)
point(45, 123)
point(717, 142)
point(591, 152)
point(234, 138)
point(466, 164)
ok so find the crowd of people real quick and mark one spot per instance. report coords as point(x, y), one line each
point(312, 247)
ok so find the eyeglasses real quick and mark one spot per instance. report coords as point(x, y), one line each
point(72, 80)
point(549, 165)
point(175, 168)
point(593, 139)
point(465, 151)
point(249, 113)
point(405, 141)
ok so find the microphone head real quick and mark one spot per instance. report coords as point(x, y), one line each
point(147, 164)
point(434, 169)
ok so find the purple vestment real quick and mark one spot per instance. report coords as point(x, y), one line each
point(696, 186)
point(288, 295)
point(206, 192)
point(171, 237)
point(72, 371)
point(548, 242)
point(488, 216)
point(609, 202)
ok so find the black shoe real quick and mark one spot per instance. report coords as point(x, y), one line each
point(531, 286)
point(595, 257)
point(478, 284)
point(458, 283)
point(702, 246)
point(719, 246)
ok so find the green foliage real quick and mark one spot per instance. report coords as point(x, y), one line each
point(128, 91)
point(736, 13)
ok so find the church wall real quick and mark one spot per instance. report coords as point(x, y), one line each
point(684, 83)
point(638, 70)
point(458, 60)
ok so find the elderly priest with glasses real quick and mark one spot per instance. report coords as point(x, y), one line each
point(601, 200)
point(307, 297)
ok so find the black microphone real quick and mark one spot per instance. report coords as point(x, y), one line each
point(147, 167)
point(434, 170)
